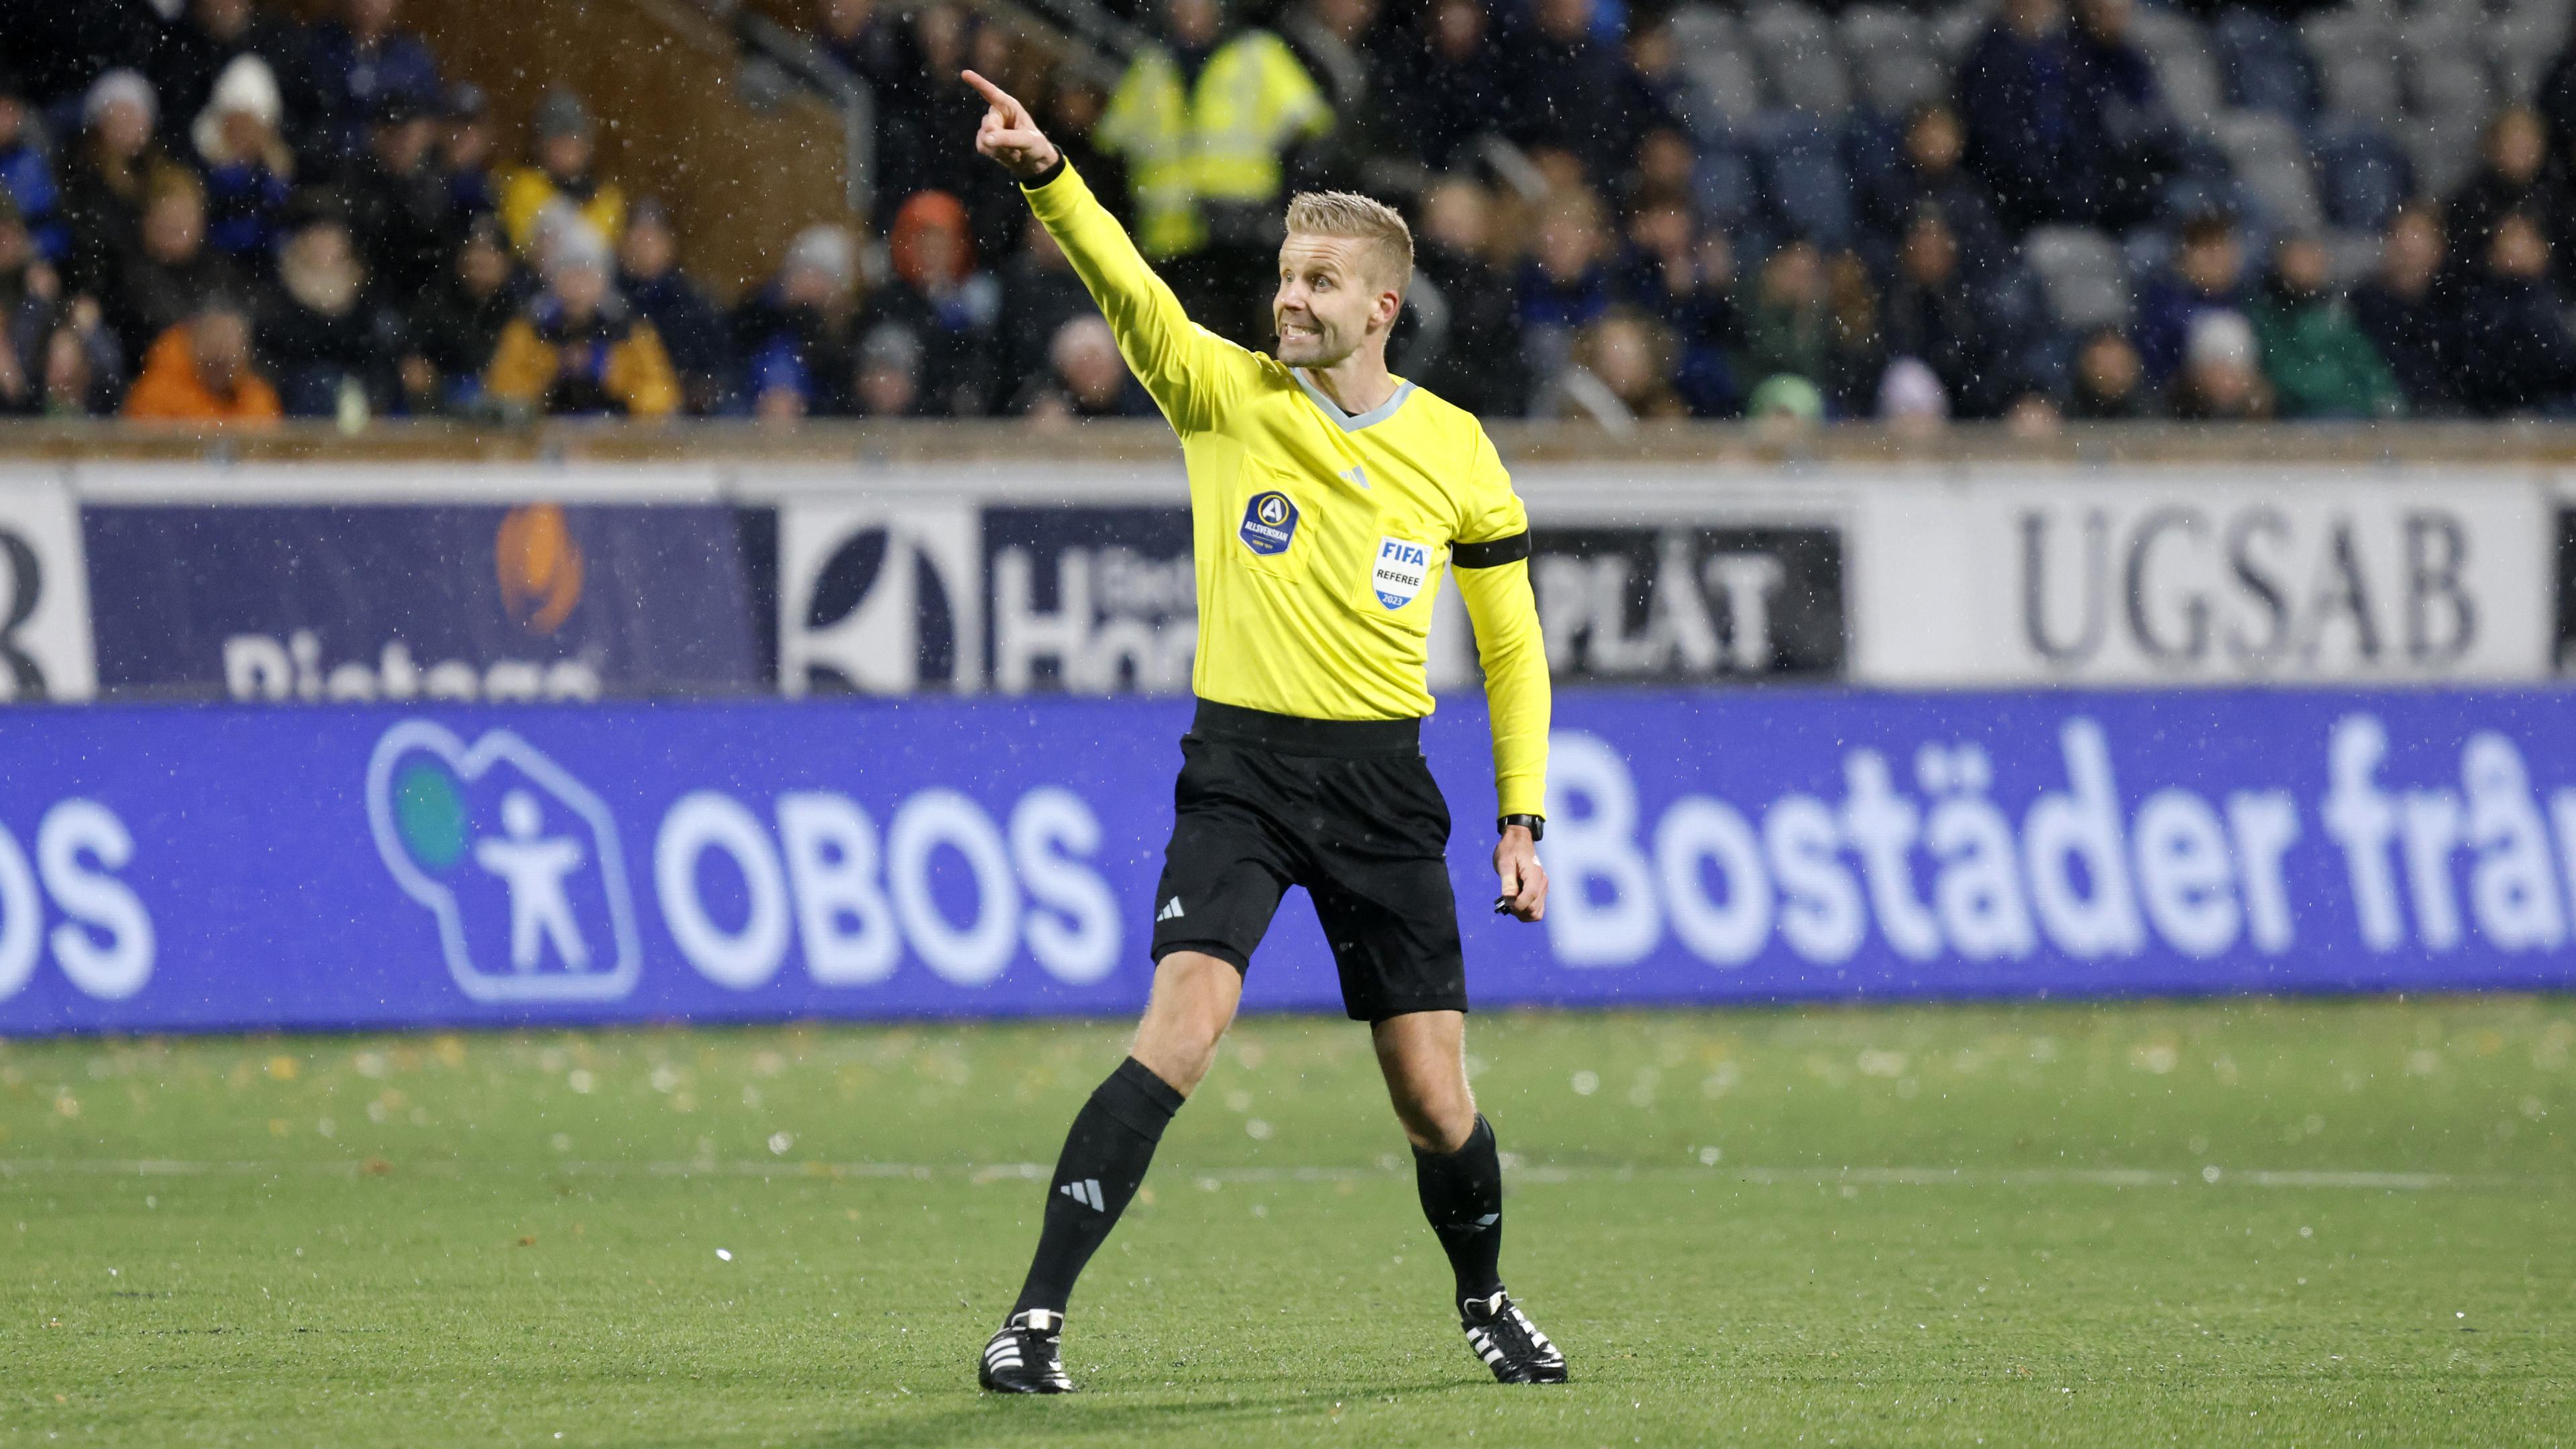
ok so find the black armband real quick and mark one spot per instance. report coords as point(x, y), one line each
point(1536, 824)
point(1051, 173)
point(1492, 553)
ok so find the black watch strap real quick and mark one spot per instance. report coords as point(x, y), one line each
point(1537, 825)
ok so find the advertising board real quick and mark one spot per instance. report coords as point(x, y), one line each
point(168, 868)
point(44, 593)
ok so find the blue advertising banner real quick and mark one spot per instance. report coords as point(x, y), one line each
point(448, 601)
point(168, 868)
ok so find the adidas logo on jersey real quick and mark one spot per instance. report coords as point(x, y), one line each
point(1171, 910)
point(1087, 1193)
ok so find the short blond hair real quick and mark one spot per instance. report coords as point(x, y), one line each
point(1361, 218)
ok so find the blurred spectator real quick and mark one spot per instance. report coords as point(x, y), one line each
point(1813, 318)
point(2220, 381)
point(1074, 107)
point(1569, 92)
point(561, 182)
point(465, 149)
point(2411, 316)
point(248, 170)
point(1040, 293)
point(2519, 354)
point(2140, 138)
point(1709, 329)
point(1930, 173)
point(2034, 133)
point(2318, 362)
point(361, 63)
point(324, 339)
point(1911, 400)
point(2513, 175)
point(1655, 94)
point(888, 384)
point(928, 144)
point(2556, 99)
point(1444, 83)
point(795, 331)
point(875, 48)
point(1476, 361)
point(1784, 407)
point(1565, 282)
point(1204, 120)
point(578, 350)
point(84, 371)
point(2110, 382)
point(200, 372)
point(2207, 274)
point(1665, 167)
point(1935, 317)
point(693, 332)
point(457, 327)
point(400, 203)
point(192, 56)
point(26, 172)
point(165, 280)
point(946, 304)
point(29, 291)
point(103, 189)
point(1085, 378)
point(1629, 360)
point(1327, 38)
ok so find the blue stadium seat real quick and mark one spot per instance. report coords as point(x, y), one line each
point(2264, 65)
point(1797, 50)
point(2179, 53)
point(1805, 185)
point(2363, 175)
point(2083, 275)
point(1893, 63)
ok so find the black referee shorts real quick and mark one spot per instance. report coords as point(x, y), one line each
point(1346, 809)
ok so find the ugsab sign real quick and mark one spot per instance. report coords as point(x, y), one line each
point(2181, 577)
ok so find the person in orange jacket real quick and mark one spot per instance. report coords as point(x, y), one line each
point(200, 372)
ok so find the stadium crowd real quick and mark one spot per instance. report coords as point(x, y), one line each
point(2028, 213)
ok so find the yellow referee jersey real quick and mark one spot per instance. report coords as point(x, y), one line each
point(1320, 537)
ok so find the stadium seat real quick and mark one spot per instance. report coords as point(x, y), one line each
point(2362, 175)
point(1723, 189)
point(1892, 61)
point(2351, 257)
point(2360, 70)
point(1954, 31)
point(2271, 165)
point(2182, 64)
point(2265, 65)
point(2447, 81)
point(1796, 48)
point(2441, 152)
point(1799, 164)
point(2082, 274)
point(1711, 50)
point(2521, 44)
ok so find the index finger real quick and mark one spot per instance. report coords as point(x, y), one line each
point(1001, 99)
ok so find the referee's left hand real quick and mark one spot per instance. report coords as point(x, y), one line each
point(1523, 879)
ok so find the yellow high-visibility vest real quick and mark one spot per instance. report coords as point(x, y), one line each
point(1219, 141)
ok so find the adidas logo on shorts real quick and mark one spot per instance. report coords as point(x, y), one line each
point(1087, 1193)
point(1171, 910)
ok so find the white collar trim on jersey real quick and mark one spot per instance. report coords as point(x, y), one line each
point(1351, 423)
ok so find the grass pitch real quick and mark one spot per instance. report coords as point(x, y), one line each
point(2228, 1222)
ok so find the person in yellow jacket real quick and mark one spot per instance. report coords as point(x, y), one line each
point(1204, 124)
point(562, 186)
point(1327, 498)
point(578, 350)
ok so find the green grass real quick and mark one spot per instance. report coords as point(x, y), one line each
point(1953, 1225)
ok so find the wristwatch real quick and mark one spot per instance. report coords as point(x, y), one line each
point(1536, 824)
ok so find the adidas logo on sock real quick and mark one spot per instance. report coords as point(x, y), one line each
point(1087, 1193)
point(1171, 910)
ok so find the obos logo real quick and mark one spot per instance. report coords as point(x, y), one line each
point(1269, 523)
point(517, 861)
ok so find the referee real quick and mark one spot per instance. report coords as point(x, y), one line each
point(1326, 496)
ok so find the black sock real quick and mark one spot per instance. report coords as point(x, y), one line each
point(1462, 1195)
point(1104, 1161)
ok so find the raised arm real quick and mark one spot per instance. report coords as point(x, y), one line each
point(1191, 372)
point(1490, 560)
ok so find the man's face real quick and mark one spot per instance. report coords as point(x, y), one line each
point(2212, 265)
point(371, 17)
point(646, 252)
point(1193, 22)
point(173, 227)
point(564, 157)
point(580, 287)
point(13, 119)
point(1565, 20)
point(124, 129)
point(2413, 252)
point(223, 19)
point(1328, 302)
point(402, 146)
point(222, 344)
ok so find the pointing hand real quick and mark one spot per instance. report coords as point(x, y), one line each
point(1008, 134)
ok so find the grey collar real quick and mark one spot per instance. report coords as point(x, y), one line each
point(1351, 423)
